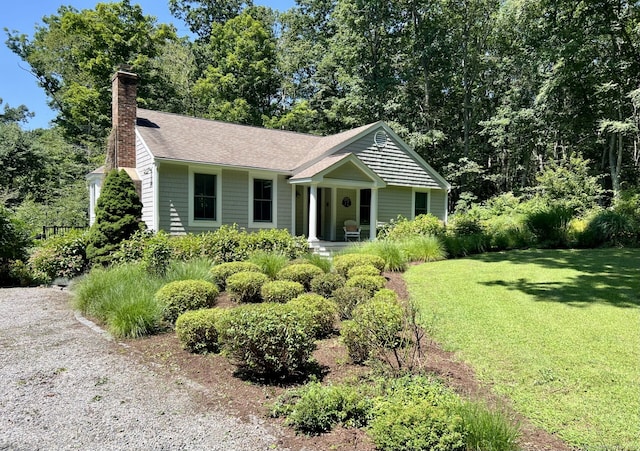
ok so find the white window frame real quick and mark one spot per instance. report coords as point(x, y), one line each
point(274, 201)
point(413, 200)
point(199, 222)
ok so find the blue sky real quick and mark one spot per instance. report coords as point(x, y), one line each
point(19, 87)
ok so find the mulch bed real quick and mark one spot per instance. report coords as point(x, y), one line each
point(224, 389)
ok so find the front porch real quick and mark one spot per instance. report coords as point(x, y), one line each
point(329, 248)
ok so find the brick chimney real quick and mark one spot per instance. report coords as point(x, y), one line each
point(122, 142)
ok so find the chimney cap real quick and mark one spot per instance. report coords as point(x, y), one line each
point(122, 73)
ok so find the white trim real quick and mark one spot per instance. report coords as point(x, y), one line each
point(334, 213)
point(205, 170)
point(373, 215)
point(413, 200)
point(155, 177)
point(274, 200)
point(293, 210)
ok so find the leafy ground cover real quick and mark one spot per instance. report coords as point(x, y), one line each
point(555, 331)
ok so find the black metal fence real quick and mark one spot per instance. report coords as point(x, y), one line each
point(49, 231)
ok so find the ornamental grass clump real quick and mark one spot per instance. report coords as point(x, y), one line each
point(269, 262)
point(300, 272)
point(281, 290)
point(197, 330)
point(326, 284)
point(223, 271)
point(183, 295)
point(246, 286)
point(267, 340)
point(321, 313)
point(423, 248)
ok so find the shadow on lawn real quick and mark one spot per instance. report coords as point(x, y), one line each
point(609, 276)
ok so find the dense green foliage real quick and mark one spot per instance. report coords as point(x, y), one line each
point(197, 330)
point(342, 263)
point(14, 240)
point(302, 273)
point(266, 340)
point(118, 212)
point(246, 286)
point(326, 284)
point(61, 256)
point(180, 296)
point(281, 290)
point(320, 313)
point(223, 271)
point(347, 298)
point(369, 283)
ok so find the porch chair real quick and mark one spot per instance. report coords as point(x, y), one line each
point(351, 230)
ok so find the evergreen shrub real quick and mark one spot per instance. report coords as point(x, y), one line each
point(364, 270)
point(281, 290)
point(403, 228)
point(369, 283)
point(266, 340)
point(326, 284)
point(246, 286)
point(321, 313)
point(223, 271)
point(118, 212)
point(302, 273)
point(61, 256)
point(183, 295)
point(197, 330)
point(347, 298)
point(342, 263)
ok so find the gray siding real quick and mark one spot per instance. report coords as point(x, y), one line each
point(174, 202)
point(391, 163)
point(235, 197)
point(144, 166)
point(438, 203)
point(348, 172)
point(284, 204)
point(394, 201)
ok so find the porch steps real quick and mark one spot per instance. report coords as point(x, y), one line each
point(328, 248)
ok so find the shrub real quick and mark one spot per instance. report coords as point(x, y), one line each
point(422, 225)
point(14, 237)
point(347, 298)
point(222, 271)
point(342, 263)
point(269, 262)
point(319, 408)
point(463, 224)
point(226, 244)
point(266, 340)
point(326, 284)
point(364, 270)
point(376, 326)
point(389, 251)
point(277, 241)
point(320, 311)
point(423, 248)
point(387, 295)
point(508, 232)
point(281, 290)
point(301, 272)
point(197, 330)
point(318, 260)
point(122, 297)
point(610, 228)
point(550, 225)
point(463, 245)
point(61, 256)
point(182, 295)
point(118, 212)
point(416, 413)
point(487, 429)
point(246, 286)
point(369, 283)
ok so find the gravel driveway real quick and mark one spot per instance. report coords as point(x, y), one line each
point(64, 386)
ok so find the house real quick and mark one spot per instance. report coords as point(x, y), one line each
point(195, 175)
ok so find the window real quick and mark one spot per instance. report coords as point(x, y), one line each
point(421, 203)
point(204, 197)
point(365, 206)
point(262, 200)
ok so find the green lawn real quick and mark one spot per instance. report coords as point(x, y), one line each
point(558, 332)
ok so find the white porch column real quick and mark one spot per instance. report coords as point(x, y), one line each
point(293, 210)
point(313, 213)
point(373, 220)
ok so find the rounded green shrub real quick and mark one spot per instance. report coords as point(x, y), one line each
point(387, 295)
point(61, 256)
point(281, 290)
point(197, 330)
point(300, 272)
point(183, 295)
point(346, 298)
point(342, 263)
point(321, 313)
point(376, 325)
point(369, 283)
point(326, 284)
point(246, 286)
point(610, 228)
point(364, 270)
point(266, 340)
point(422, 225)
point(222, 271)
